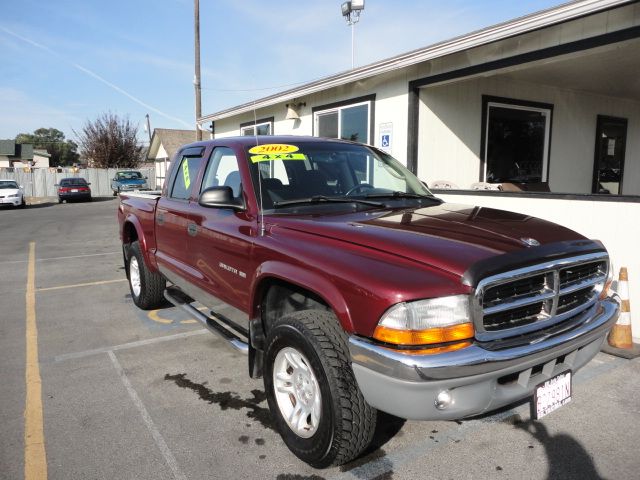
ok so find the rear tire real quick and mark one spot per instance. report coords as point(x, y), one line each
point(312, 392)
point(147, 287)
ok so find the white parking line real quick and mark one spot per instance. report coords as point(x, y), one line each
point(155, 433)
point(8, 262)
point(78, 256)
point(124, 346)
point(78, 285)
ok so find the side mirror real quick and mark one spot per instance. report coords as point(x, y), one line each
point(20, 186)
point(145, 178)
point(88, 183)
point(220, 197)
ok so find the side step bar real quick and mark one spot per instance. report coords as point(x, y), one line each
point(216, 323)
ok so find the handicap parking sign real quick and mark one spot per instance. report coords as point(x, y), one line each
point(386, 140)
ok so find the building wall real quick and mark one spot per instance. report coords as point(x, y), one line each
point(601, 220)
point(391, 91)
point(450, 132)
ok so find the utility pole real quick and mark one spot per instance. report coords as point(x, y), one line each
point(148, 129)
point(196, 78)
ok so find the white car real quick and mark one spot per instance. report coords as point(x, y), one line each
point(11, 193)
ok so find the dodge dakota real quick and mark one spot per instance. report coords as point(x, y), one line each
point(353, 289)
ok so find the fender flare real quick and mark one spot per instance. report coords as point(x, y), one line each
point(303, 278)
point(142, 240)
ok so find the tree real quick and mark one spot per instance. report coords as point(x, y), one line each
point(110, 142)
point(62, 151)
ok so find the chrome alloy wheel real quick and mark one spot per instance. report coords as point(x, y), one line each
point(134, 276)
point(297, 392)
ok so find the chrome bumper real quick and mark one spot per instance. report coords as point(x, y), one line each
point(477, 379)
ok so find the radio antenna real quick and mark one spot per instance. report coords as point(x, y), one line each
point(260, 205)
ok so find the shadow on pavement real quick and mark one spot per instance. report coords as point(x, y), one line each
point(567, 458)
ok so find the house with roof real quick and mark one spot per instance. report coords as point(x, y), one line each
point(539, 115)
point(16, 155)
point(165, 142)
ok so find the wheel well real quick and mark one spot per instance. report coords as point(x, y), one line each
point(129, 233)
point(281, 298)
point(278, 298)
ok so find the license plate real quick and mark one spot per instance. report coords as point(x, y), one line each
point(74, 190)
point(552, 394)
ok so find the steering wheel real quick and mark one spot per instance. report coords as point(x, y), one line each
point(360, 186)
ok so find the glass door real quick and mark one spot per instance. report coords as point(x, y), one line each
point(611, 139)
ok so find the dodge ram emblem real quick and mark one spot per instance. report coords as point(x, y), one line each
point(530, 242)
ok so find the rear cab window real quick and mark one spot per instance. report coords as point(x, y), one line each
point(185, 173)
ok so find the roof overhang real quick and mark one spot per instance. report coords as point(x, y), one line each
point(536, 21)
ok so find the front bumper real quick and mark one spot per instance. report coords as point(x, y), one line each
point(75, 196)
point(15, 201)
point(478, 380)
point(132, 187)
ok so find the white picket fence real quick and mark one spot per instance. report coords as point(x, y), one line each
point(40, 182)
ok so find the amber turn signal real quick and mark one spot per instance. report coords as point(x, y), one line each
point(606, 290)
point(429, 336)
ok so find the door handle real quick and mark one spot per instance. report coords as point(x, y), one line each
point(192, 229)
point(160, 219)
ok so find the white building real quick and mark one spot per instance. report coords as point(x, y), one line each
point(165, 142)
point(545, 108)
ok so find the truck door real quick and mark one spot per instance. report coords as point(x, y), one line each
point(174, 217)
point(221, 249)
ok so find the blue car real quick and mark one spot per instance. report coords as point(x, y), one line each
point(127, 181)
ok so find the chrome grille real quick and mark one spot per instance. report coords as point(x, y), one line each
point(532, 298)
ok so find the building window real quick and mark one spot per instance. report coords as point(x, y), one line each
point(259, 127)
point(611, 139)
point(347, 120)
point(516, 140)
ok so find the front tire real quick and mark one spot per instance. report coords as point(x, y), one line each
point(147, 287)
point(312, 392)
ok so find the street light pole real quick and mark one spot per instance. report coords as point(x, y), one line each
point(196, 78)
point(351, 12)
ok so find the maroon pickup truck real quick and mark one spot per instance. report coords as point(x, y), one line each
point(353, 289)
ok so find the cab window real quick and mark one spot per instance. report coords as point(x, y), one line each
point(186, 174)
point(222, 170)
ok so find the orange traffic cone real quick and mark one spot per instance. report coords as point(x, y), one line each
point(620, 335)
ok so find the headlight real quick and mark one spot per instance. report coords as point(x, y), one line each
point(14, 195)
point(425, 322)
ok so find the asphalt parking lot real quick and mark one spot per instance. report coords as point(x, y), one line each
point(127, 394)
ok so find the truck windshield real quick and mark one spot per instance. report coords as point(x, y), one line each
point(128, 175)
point(294, 173)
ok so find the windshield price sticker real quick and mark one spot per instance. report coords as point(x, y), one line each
point(552, 394)
point(273, 148)
point(270, 157)
point(185, 174)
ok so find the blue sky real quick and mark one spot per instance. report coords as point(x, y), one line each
point(63, 62)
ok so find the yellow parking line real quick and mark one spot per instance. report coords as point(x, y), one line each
point(88, 284)
point(35, 457)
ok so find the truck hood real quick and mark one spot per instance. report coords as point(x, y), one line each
point(448, 237)
point(132, 181)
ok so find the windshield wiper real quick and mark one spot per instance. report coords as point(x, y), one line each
point(398, 194)
point(324, 199)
